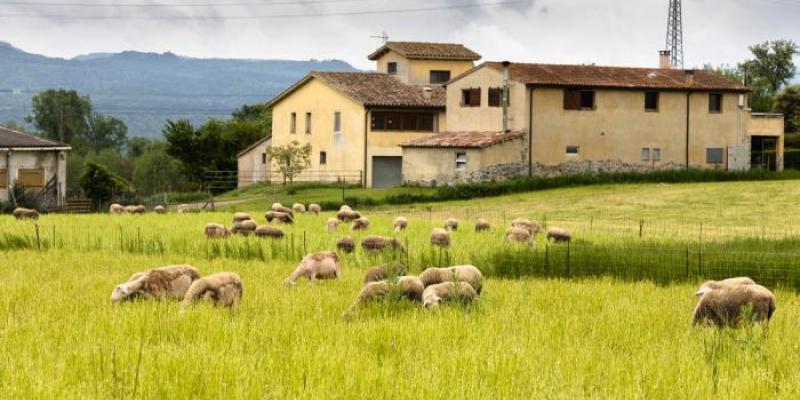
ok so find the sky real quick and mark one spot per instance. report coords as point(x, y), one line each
point(604, 32)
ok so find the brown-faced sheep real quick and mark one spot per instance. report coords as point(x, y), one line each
point(446, 292)
point(244, 227)
point(279, 217)
point(712, 285)
point(315, 208)
point(215, 230)
point(380, 243)
point(482, 225)
point(400, 224)
point(728, 305)
point(440, 237)
point(405, 287)
point(166, 282)
point(321, 265)
point(116, 209)
point(332, 225)
point(278, 207)
point(451, 224)
point(384, 272)
point(518, 235)
point(360, 224)
point(346, 245)
point(159, 209)
point(241, 216)
point(223, 289)
point(461, 273)
point(346, 214)
point(25, 213)
point(559, 235)
point(299, 208)
point(265, 231)
point(531, 226)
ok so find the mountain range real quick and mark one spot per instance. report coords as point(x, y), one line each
point(147, 89)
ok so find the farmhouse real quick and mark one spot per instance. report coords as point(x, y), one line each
point(32, 164)
point(253, 163)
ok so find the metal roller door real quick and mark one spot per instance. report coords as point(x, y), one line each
point(387, 171)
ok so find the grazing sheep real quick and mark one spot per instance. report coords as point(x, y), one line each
point(360, 224)
point(446, 292)
point(346, 214)
point(241, 216)
point(278, 207)
point(451, 224)
point(138, 209)
point(166, 282)
point(712, 285)
point(315, 208)
point(384, 272)
point(518, 235)
point(406, 287)
point(332, 225)
point(182, 208)
point(321, 265)
point(725, 306)
point(559, 235)
point(160, 209)
point(116, 209)
point(215, 230)
point(299, 208)
point(223, 289)
point(531, 226)
point(461, 273)
point(278, 216)
point(269, 231)
point(346, 244)
point(400, 224)
point(482, 225)
point(440, 237)
point(130, 209)
point(245, 227)
point(25, 213)
point(379, 243)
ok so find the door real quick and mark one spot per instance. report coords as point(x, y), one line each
point(387, 171)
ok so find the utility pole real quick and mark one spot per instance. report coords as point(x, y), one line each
point(675, 33)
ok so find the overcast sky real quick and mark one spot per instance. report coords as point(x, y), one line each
point(606, 32)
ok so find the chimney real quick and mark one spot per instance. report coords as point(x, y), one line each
point(427, 92)
point(689, 77)
point(665, 59)
point(505, 95)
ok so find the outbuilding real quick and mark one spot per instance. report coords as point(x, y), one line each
point(32, 164)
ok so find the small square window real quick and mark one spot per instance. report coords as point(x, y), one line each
point(391, 68)
point(651, 101)
point(656, 154)
point(715, 102)
point(645, 154)
point(323, 158)
point(439, 77)
point(714, 155)
point(461, 161)
point(587, 100)
point(573, 150)
point(263, 158)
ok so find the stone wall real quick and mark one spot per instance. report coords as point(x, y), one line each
point(604, 166)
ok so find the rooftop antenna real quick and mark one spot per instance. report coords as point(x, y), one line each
point(383, 36)
point(675, 33)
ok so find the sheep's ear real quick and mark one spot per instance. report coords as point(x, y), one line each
point(703, 290)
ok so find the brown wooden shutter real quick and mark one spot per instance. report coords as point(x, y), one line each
point(3, 178)
point(572, 99)
point(475, 97)
point(30, 178)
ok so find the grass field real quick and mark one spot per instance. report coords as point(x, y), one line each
point(580, 334)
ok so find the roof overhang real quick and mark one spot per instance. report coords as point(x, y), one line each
point(66, 148)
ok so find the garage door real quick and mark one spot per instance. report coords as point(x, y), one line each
point(387, 171)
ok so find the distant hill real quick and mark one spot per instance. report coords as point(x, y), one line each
point(146, 89)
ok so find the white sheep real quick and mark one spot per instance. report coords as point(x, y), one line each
point(166, 282)
point(447, 292)
point(712, 285)
point(559, 235)
point(518, 235)
point(315, 208)
point(215, 230)
point(360, 224)
point(440, 237)
point(223, 289)
point(404, 287)
point(116, 209)
point(25, 213)
point(265, 231)
point(159, 209)
point(299, 208)
point(244, 227)
point(531, 226)
point(451, 224)
point(346, 214)
point(332, 225)
point(241, 216)
point(346, 245)
point(321, 265)
point(728, 305)
point(461, 273)
point(482, 225)
point(400, 224)
point(279, 216)
point(380, 243)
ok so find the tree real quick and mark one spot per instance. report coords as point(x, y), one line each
point(291, 159)
point(99, 184)
point(113, 161)
point(727, 71)
point(60, 114)
point(772, 63)
point(788, 103)
point(104, 132)
point(155, 171)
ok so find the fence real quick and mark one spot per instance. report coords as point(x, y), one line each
point(227, 180)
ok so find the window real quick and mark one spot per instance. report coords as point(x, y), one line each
point(438, 77)
point(714, 155)
point(30, 178)
point(651, 101)
point(461, 161)
point(391, 68)
point(579, 99)
point(645, 154)
point(308, 123)
point(656, 154)
point(573, 150)
point(403, 121)
point(471, 97)
point(293, 123)
point(263, 158)
point(323, 158)
point(496, 97)
point(3, 178)
point(715, 102)
point(337, 122)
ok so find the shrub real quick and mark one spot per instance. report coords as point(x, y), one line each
point(99, 184)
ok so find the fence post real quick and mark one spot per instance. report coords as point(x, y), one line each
point(568, 266)
point(687, 261)
point(38, 239)
point(547, 259)
point(305, 249)
point(641, 227)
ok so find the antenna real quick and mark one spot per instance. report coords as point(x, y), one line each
point(383, 36)
point(675, 33)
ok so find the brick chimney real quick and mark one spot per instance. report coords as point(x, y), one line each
point(665, 59)
point(427, 92)
point(689, 77)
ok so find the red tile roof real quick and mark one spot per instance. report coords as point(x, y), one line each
point(427, 51)
point(10, 138)
point(463, 140)
point(614, 77)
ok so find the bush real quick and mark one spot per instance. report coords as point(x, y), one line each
point(791, 159)
point(25, 199)
point(99, 184)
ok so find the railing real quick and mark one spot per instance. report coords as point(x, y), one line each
point(227, 180)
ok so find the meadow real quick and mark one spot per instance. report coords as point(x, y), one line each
point(606, 317)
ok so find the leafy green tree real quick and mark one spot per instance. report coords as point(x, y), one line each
point(155, 171)
point(291, 159)
point(60, 114)
point(112, 160)
point(137, 146)
point(788, 103)
point(104, 132)
point(99, 184)
point(773, 63)
point(727, 71)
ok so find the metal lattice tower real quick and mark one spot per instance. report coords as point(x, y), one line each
point(675, 33)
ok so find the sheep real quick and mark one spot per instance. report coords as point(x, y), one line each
point(321, 265)
point(518, 235)
point(138, 209)
point(712, 285)
point(278, 216)
point(245, 227)
point(25, 213)
point(451, 224)
point(406, 287)
point(384, 272)
point(400, 224)
point(241, 216)
point(116, 209)
point(315, 208)
point(130, 209)
point(725, 306)
point(346, 214)
point(332, 225)
point(298, 208)
point(440, 237)
point(482, 225)
point(159, 209)
point(360, 224)
point(379, 243)
point(223, 289)
point(278, 207)
point(461, 273)
point(346, 244)
point(269, 231)
point(447, 291)
point(182, 208)
point(559, 235)
point(215, 230)
point(531, 226)
point(166, 282)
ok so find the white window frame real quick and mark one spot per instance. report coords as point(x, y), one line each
point(576, 153)
point(645, 154)
point(656, 154)
point(461, 161)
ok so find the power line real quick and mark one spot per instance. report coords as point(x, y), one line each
point(269, 16)
point(149, 5)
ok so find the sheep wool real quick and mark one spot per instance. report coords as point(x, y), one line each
point(727, 306)
point(116, 209)
point(320, 265)
point(215, 230)
point(462, 273)
point(266, 231)
point(531, 226)
point(346, 214)
point(400, 224)
point(559, 235)
point(712, 285)
point(384, 272)
point(346, 245)
point(278, 207)
point(25, 213)
point(223, 289)
point(360, 224)
point(405, 287)
point(298, 208)
point(315, 208)
point(278, 216)
point(241, 216)
point(448, 292)
point(160, 209)
point(451, 224)
point(245, 227)
point(518, 235)
point(332, 225)
point(482, 225)
point(380, 243)
point(166, 282)
point(440, 237)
